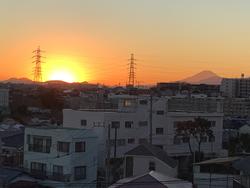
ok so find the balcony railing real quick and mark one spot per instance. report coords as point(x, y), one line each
point(60, 177)
point(39, 148)
point(39, 174)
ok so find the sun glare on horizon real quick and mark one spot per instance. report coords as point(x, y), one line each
point(63, 75)
point(65, 69)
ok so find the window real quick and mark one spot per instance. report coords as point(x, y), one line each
point(185, 139)
point(160, 112)
point(128, 124)
point(83, 122)
point(143, 123)
point(80, 172)
point(212, 123)
point(151, 166)
point(131, 141)
point(143, 102)
point(112, 142)
point(211, 139)
point(177, 140)
point(121, 142)
point(159, 131)
point(129, 166)
point(159, 146)
point(203, 139)
point(63, 147)
point(28, 139)
point(40, 144)
point(176, 123)
point(115, 124)
point(80, 147)
point(127, 103)
point(57, 170)
point(38, 169)
point(143, 141)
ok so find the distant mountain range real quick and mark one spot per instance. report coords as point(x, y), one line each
point(204, 77)
point(28, 81)
point(18, 81)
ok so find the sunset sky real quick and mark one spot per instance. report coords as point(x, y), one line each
point(91, 40)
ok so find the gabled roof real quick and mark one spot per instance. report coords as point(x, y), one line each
point(222, 160)
point(7, 174)
point(15, 141)
point(150, 150)
point(151, 179)
point(243, 165)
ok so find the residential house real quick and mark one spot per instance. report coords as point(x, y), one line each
point(11, 176)
point(145, 158)
point(218, 172)
point(243, 165)
point(151, 179)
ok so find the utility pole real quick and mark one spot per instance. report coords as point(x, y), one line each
point(131, 77)
point(115, 143)
point(108, 159)
point(151, 119)
point(38, 68)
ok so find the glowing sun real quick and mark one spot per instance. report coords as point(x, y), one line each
point(62, 75)
point(67, 69)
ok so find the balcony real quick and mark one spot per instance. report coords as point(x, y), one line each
point(39, 174)
point(39, 148)
point(46, 175)
point(60, 177)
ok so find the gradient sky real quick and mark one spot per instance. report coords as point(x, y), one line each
point(92, 39)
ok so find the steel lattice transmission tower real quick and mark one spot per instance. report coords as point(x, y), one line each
point(37, 68)
point(131, 76)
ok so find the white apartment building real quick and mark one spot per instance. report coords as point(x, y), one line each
point(228, 87)
point(4, 98)
point(130, 123)
point(61, 157)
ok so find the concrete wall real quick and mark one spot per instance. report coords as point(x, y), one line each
point(141, 166)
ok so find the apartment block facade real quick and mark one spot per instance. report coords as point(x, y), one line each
point(130, 123)
point(61, 157)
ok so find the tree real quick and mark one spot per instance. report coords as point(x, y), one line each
point(199, 130)
point(52, 99)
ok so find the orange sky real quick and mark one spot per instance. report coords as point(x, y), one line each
point(91, 40)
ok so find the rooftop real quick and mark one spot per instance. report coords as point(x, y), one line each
point(219, 160)
point(152, 179)
point(150, 150)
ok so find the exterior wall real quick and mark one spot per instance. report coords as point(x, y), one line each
point(237, 107)
point(206, 147)
point(228, 87)
point(141, 166)
point(68, 161)
point(235, 87)
point(207, 180)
